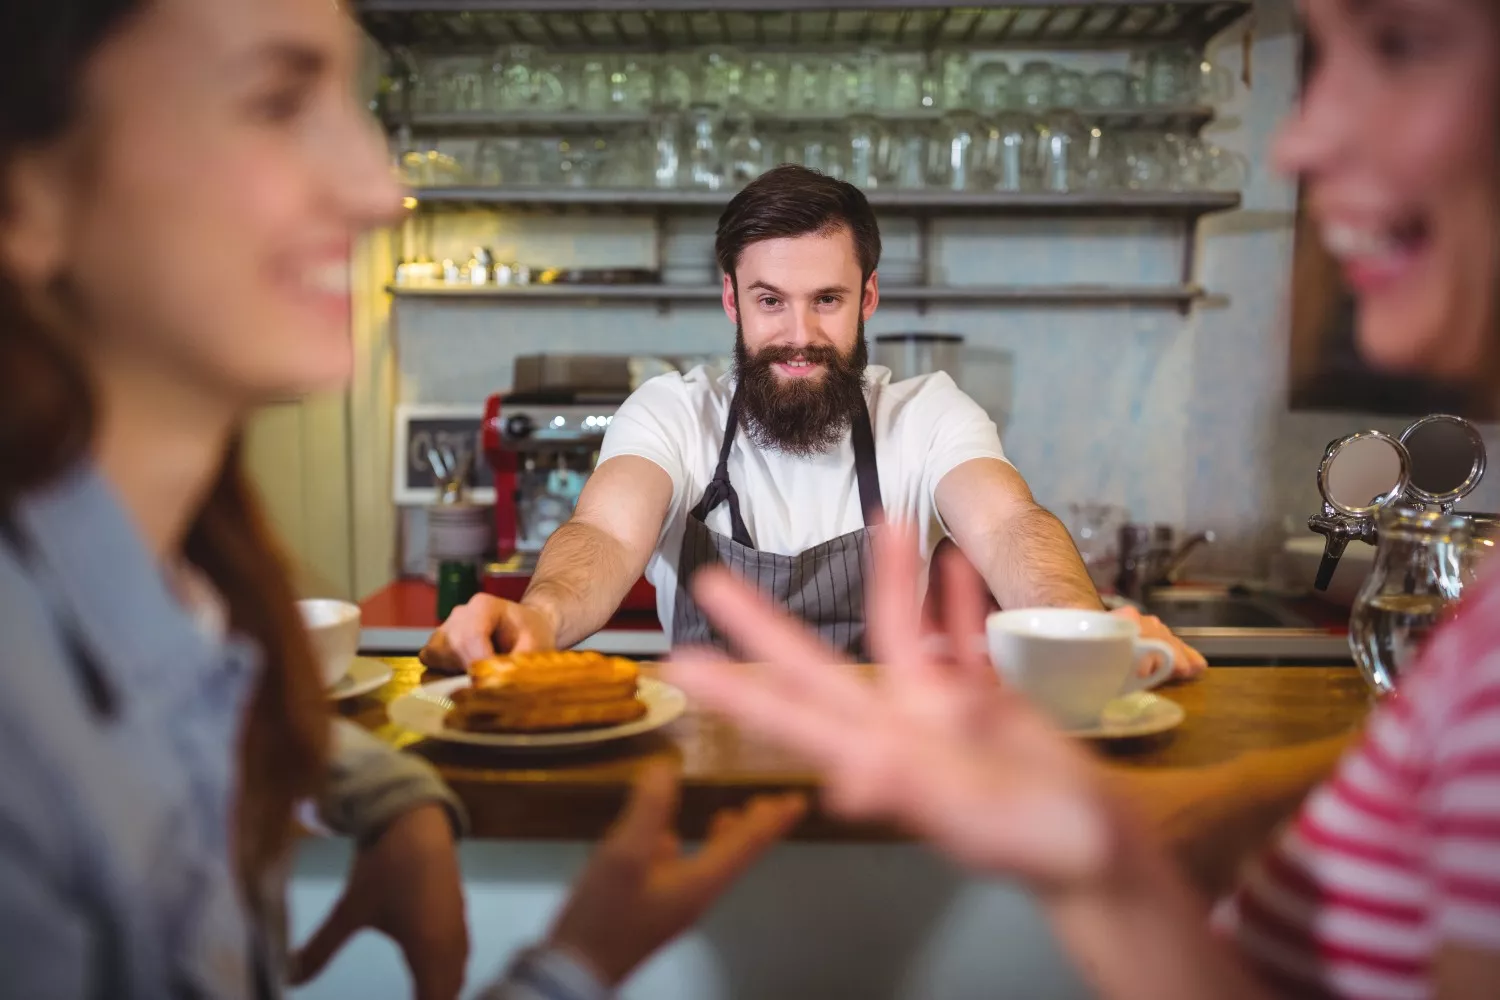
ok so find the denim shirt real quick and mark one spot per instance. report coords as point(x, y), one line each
point(119, 722)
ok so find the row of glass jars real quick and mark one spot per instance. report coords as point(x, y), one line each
point(528, 79)
point(700, 149)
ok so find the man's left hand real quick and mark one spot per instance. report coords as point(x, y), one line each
point(1189, 662)
point(407, 886)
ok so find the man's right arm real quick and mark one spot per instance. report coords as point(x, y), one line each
point(584, 572)
point(591, 562)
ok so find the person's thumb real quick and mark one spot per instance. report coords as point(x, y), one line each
point(342, 924)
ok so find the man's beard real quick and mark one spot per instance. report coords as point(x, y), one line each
point(805, 416)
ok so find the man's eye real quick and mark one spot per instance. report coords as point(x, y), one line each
point(767, 302)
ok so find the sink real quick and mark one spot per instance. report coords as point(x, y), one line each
point(1230, 625)
point(1198, 609)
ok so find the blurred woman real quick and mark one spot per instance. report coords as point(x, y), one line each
point(180, 185)
point(1387, 884)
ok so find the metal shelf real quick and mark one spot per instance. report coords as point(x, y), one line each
point(1190, 119)
point(1186, 204)
point(1082, 295)
point(660, 25)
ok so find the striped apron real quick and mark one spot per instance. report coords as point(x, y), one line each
point(824, 586)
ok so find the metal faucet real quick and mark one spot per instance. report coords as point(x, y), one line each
point(1338, 530)
point(1150, 557)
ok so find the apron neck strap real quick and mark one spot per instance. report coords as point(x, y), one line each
point(866, 472)
point(719, 488)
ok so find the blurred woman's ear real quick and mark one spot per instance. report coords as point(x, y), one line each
point(33, 218)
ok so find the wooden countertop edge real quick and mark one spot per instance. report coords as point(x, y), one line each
point(577, 796)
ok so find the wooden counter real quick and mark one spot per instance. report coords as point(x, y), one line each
point(575, 796)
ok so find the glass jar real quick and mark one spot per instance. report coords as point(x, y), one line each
point(705, 162)
point(1069, 89)
point(864, 152)
point(1034, 86)
point(1061, 143)
point(666, 145)
point(993, 86)
point(1418, 575)
point(744, 153)
point(1010, 152)
point(962, 149)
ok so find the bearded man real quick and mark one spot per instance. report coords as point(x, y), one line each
point(780, 468)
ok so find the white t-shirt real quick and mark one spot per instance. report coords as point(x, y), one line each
point(924, 428)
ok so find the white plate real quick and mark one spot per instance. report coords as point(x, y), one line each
point(423, 710)
point(1139, 714)
point(365, 675)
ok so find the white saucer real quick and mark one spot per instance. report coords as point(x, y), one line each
point(365, 675)
point(425, 709)
point(1134, 715)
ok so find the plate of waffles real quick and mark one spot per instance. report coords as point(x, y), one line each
point(541, 701)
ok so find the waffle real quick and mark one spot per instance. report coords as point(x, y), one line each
point(546, 692)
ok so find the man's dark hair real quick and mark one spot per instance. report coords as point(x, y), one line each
point(792, 200)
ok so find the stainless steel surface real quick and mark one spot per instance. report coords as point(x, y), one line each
point(659, 24)
point(1040, 295)
point(1192, 608)
point(1225, 625)
point(1357, 476)
point(1448, 459)
point(1447, 453)
point(573, 373)
point(1187, 204)
point(1362, 472)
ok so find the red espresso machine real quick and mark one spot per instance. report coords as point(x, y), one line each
point(542, 441)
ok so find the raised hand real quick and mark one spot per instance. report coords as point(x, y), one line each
point(407, 886)
point(639, 891)
point(934, 743)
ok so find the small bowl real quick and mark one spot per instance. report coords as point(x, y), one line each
point(333, 627)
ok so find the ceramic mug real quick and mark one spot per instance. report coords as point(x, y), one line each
point(333, 627)
point(1073, 663)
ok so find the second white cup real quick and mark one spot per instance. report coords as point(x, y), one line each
point(1073, 663)
point(333, 627)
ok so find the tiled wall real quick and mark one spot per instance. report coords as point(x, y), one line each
point(1180, 419)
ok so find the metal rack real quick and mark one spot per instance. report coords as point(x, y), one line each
point(1184, 119)
point(923, 296)
point(482, 26)
point(658, 25)
point(1171, 204)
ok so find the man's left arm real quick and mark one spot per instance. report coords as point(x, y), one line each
point(1024, 553)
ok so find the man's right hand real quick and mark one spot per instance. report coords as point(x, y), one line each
point(483, 627)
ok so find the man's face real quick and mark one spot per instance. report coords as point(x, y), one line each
point(800, 351)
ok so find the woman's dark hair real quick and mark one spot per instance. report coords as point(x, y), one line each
point(792, 200)
point(48, 421)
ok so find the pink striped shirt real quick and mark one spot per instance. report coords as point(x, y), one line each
point(1399, 852)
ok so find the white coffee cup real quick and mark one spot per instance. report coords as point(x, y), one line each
point(1073, 663)
point(333, 627)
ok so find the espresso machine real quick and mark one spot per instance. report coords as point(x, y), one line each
point(542, 441)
